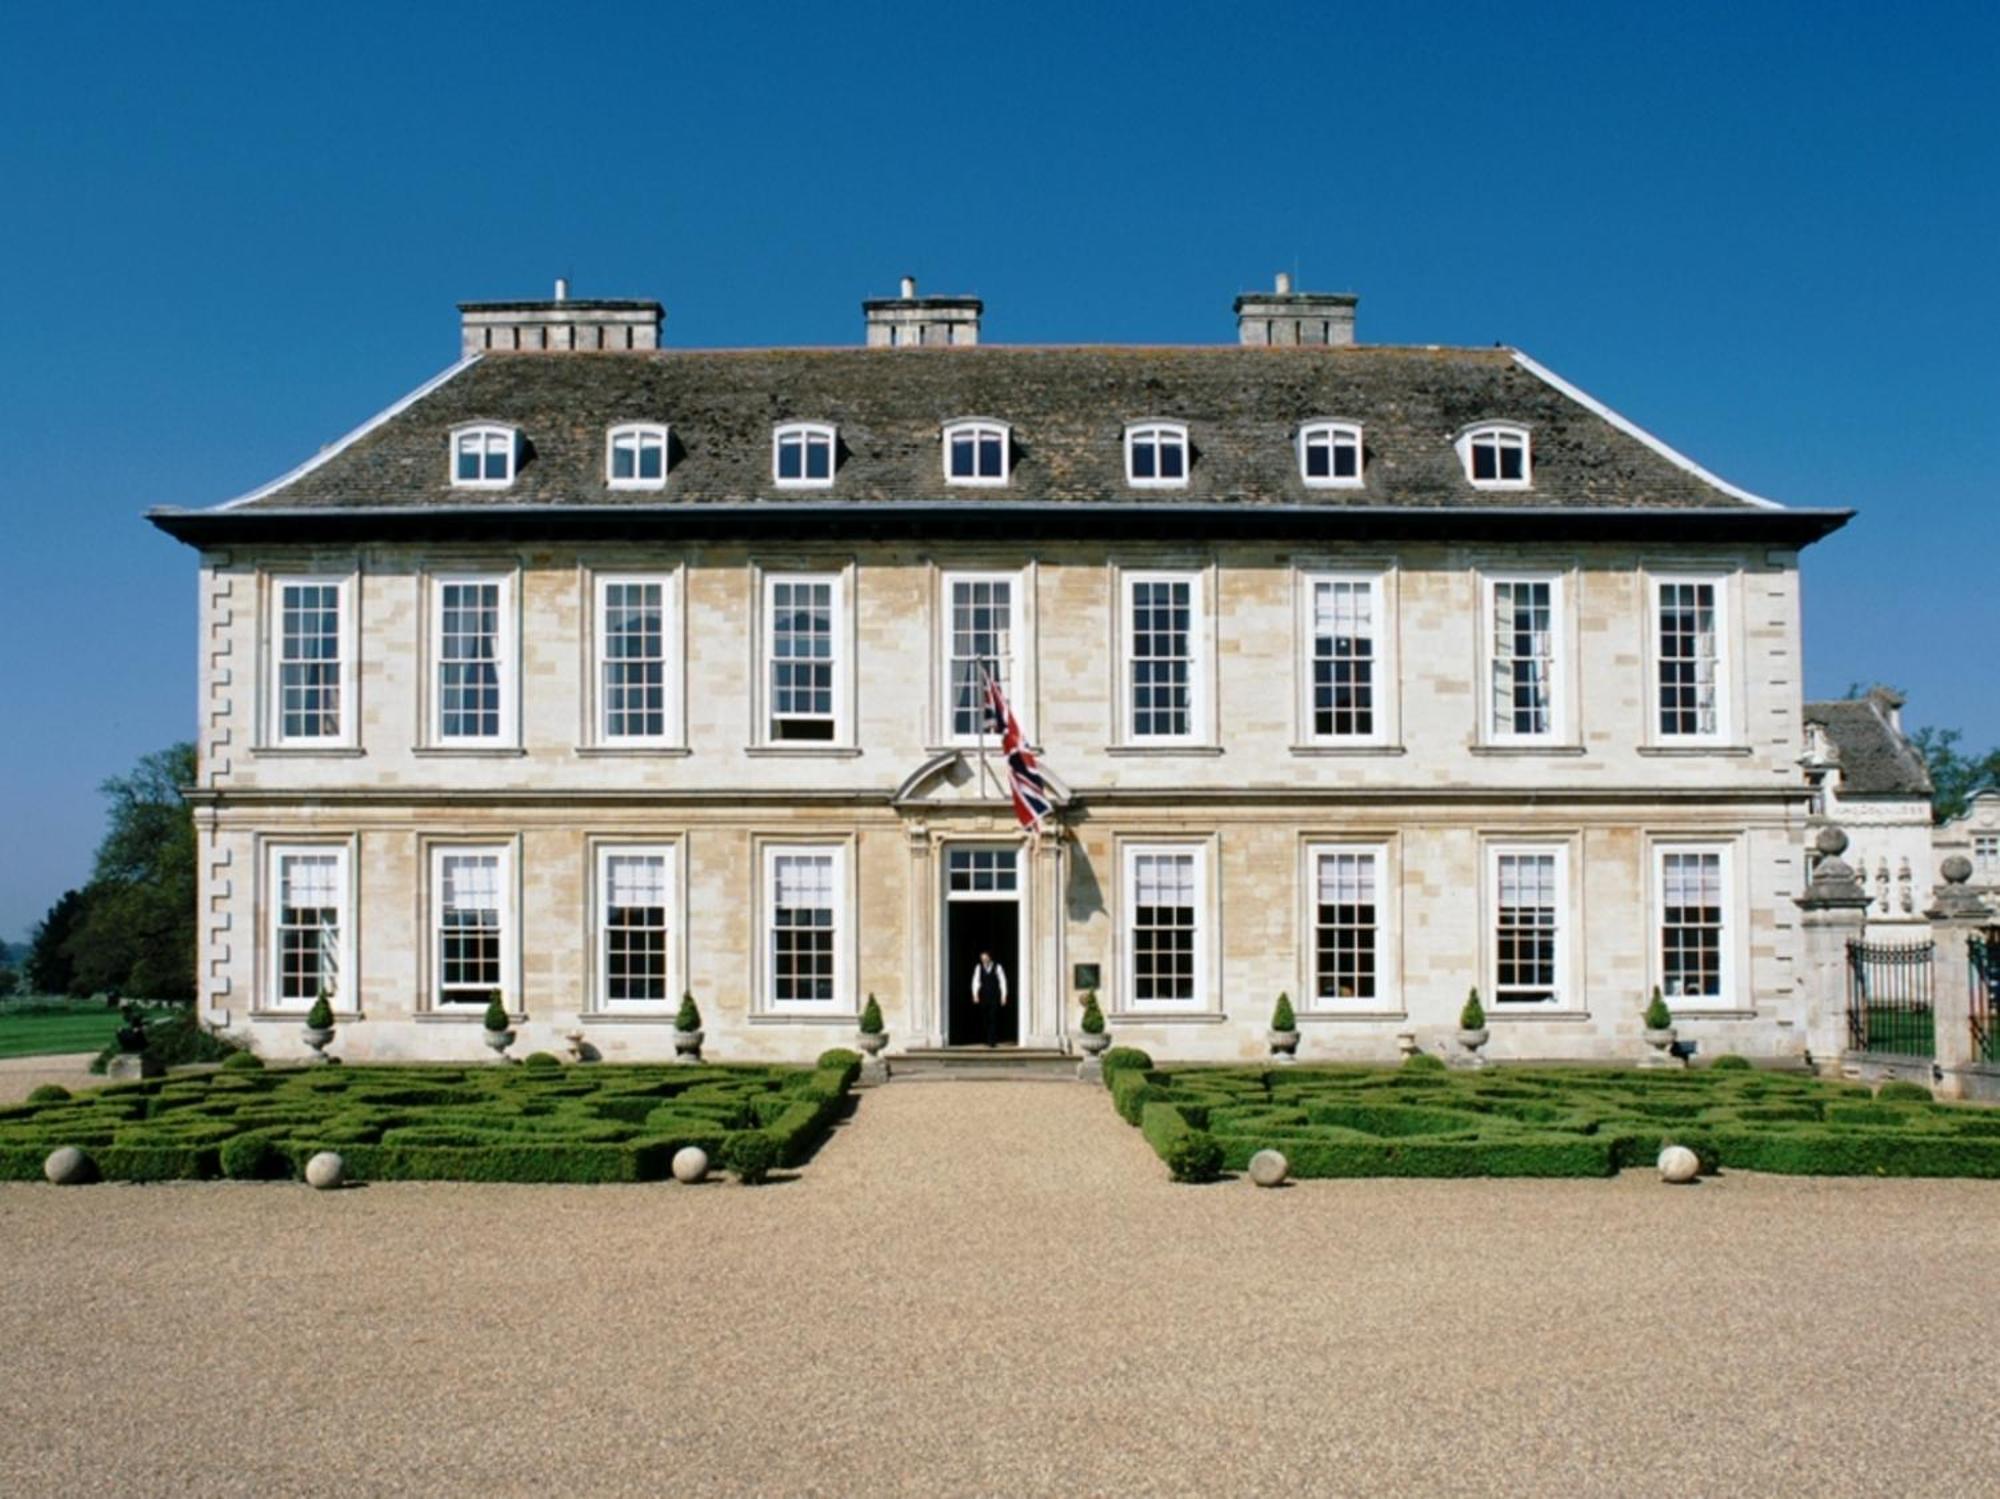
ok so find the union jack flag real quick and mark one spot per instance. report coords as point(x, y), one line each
point(1024, 780)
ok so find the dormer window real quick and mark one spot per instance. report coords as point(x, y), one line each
point(636, 456)
point(802, 455)
point(976, 452)
point(483, 457)
point(1495, 457)
point(1156, 454)
point(1330, 455)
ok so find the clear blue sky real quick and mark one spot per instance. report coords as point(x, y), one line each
point(227, 234)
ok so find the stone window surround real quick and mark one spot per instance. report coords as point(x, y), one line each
point(591, 737)
point(763, 572)
point(598, 849)
point(1564, 735)
point(1384, 577)
point(1569, 986)
point(270, 719)
point(271, 848)
point(1727, 580)
point(845, 1008)
point(432, 847)
point(1387, 1002)
point(430, 706)
point(1203, 736)
point(1734, 1002)
point(1208, 1002)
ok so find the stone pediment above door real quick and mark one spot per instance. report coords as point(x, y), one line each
point(953, 778)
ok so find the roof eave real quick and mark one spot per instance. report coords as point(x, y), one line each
point(1021, 520)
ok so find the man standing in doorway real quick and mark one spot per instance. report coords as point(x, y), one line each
point(989, 996)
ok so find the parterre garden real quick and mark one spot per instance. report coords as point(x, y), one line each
point(538, 1123)
point(1421, 1119)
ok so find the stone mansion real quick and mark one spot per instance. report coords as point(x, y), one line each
point(595, 671)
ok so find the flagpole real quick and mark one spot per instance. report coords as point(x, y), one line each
point(985, 707)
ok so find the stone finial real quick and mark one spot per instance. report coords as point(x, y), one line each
point(1954, 902)
point(1834, 883)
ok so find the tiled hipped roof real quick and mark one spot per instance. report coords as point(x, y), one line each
point(1068, 408)
point(1874, 756)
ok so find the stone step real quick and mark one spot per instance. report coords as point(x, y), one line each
point(978, 1062)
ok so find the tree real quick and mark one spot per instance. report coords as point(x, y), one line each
point(1954, 774)
point(50, 969)
point(136, 932)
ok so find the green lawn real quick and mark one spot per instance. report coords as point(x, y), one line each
point(494, 1123)
point(1524, 1121)
point(43, 1025)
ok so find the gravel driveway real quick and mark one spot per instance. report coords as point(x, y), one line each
point(990, 1288)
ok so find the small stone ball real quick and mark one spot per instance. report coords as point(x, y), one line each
point(67, 1166)
point(326, 1171)
point(1956, 870)
point(1269, 1167)
point(1831, 842)
point(690, 1164)
point(1679, 1164)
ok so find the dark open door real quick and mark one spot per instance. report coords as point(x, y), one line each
point(973, 926)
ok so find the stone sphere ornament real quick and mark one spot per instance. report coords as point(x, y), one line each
point(690, 1164)
point(1679, 1164)
point(326, 1171)
point(1268, 1168)
point(67, 1166)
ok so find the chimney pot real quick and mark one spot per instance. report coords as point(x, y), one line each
point(1284, 283)
point(562, 288)
point(909, 288)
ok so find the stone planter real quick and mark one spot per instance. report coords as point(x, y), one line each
point(873, 1069)
point(499, 1041)
point(318, 1038)
point(1091, 1068)
point(1285, 1046)
point(1472, 1041)
point(687, 1047)
point(1659, 1040)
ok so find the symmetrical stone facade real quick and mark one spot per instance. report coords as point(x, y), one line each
point(1433, 797)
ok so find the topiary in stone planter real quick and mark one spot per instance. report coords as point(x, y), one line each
point(1659, 1032)
point(319, 1028)
point(1093, 1038)
point(498, 1030)
point(687, 1032)
point(870, 1035)
point(1472, 1028)
point(1284, 1031)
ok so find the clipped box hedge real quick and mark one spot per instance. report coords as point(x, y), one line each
point(516, 1124)
point(1551, 1122)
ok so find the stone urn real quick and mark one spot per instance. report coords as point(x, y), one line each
point(1472, 1040)
point(687, 1046)
point(1093, 1043)
point(871, 1042)
point(1091, 1068)
point(874, 1069)
point(499, 1041)
point(319, 1037)
point(1285, 1046)
point(1661, 1041)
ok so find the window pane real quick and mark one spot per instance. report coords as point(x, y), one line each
point(802, 660)
point(310, 898)
point(962, 457)
point(1163, 928)
point(791, 457)
point(1346, 458)
point(1485, 459)
point(1144, 455)
point(819, 458)
point(652, 458)
point(1162, 662)
point(635, 928)
point(634, 671)
point(1173, 458)
point(1343, 658)
point(1523, 658)
point(468, 928)
point(1525, 929)
point(309, 661)
point(1345, 926)
point(992, 462)
point(622, 459)
point(469, 660)
point(802, 929)
point(1512, 458)
point(1691, 925)
point(981, 628)
point(1318, 458)
point(1688, 656)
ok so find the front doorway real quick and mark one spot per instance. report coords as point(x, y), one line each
point(982, 914)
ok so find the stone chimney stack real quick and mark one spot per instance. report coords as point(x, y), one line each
point(1288, 317)
point(909, 321)
point(559, 326)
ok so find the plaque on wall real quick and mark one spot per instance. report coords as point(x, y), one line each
point(1086, 976)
